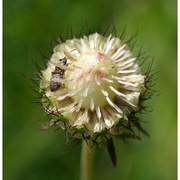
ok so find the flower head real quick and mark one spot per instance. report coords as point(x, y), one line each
point(92, 86)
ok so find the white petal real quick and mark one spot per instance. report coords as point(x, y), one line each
point(113, 105)
point(98, 112)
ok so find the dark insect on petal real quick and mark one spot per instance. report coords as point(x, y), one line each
point(54, 86)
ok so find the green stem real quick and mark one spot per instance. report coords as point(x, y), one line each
point(86, 162)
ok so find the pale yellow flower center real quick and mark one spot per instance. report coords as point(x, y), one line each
point(88, 79)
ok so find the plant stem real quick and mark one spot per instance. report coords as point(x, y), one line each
point(86, 161)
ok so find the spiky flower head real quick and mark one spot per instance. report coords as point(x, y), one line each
point(92, 87)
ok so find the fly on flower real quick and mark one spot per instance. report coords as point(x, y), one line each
point(58, 75)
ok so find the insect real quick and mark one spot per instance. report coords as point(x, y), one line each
point(57, 75)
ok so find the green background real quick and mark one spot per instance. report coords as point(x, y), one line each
point(32, 154)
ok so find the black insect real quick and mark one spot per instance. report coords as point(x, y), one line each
point(57, 75)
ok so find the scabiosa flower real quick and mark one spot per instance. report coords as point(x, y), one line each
point(92, 87)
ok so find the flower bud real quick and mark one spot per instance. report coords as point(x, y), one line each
point(92, 86)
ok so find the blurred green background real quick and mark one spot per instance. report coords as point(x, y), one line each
point(32, 154)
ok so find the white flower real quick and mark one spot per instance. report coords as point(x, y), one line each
point(98, 85)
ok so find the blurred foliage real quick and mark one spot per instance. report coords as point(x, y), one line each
point(33, 154)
